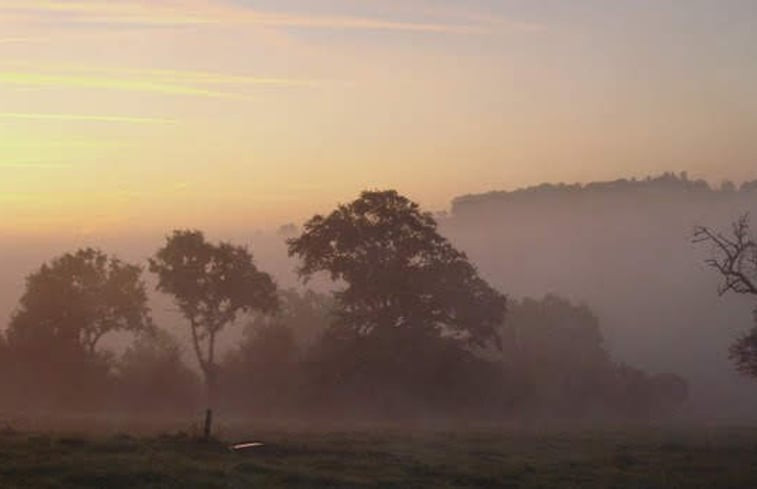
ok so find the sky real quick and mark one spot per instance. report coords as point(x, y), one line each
point(122, 116)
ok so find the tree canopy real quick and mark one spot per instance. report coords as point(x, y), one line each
point(76, 299)
point(211, 284)
point(400, 273)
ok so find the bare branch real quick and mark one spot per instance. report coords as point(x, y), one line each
point(734, 256)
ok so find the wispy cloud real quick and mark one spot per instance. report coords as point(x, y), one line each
point(165, 82)
point(20, 40)
point(58, 144)
point(161, 76)
point(84, 118)
point(79, 81)
point(28, 165)
point(208, 12)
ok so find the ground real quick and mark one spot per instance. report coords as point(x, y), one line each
point(642, 458)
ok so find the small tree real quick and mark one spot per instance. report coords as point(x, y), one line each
point(211, 284)
point(734, 256)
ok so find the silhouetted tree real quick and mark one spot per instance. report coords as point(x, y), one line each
point(744, 352)
point(265, 372)
point(307, 313)
point(556, 355)
point(68, 306)
point(734, 256)
point(77, 299)
point(211, 284)
point(400, 273)
point(557, 351)
point(262, 373)
point(411, 309)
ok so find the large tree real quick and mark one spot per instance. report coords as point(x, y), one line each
point(76, 299)
point(734, 257)
point(211, 284)
point(400, 275)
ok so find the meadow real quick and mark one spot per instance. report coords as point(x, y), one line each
point(639, 458)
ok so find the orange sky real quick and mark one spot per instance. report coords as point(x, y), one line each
point(123, 115)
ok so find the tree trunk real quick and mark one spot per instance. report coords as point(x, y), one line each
point(210, 387)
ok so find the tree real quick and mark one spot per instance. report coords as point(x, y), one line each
point(78, 298)
point(306, 313)
point(558, 362)
point(409, 313)
point(265, 371)
point(211, 284)
point(557, 351)
point(734, 257)
point(68, 306)
point(152, 375)
point(262, 373)
point(401, 276)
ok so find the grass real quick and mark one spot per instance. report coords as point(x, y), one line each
point(724, 458)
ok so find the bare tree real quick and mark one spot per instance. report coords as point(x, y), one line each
point(734, 256)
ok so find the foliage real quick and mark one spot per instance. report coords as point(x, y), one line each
point(152, 375)
point(744, 353)
point(211, 284)
point(400, 273)
point(265, 372)
point(555, 353)
point(72, 302)
point(68, 306)
point(306, 313)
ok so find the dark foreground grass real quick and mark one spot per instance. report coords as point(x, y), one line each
point(649, 459)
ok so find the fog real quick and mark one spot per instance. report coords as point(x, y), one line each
point(625, 249)
point(621, 248)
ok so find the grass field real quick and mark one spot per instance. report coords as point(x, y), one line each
point(722, 458)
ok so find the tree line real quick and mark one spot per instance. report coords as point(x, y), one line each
point(410, 330)
point(667, 184)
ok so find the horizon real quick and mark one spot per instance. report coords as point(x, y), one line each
point(273, 228)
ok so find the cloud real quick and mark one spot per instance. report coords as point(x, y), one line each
point(208, 12)
point(34, 165)
point(160, 81)
point(79, 81)
point(85, 118)
point(20, 40)
point(172, 77)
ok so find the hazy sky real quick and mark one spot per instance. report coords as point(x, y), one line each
point(122, 115)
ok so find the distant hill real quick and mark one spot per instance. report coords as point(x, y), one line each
point(624, 247)
point(667, 185)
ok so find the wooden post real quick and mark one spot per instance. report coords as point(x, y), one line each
point(208, 424)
